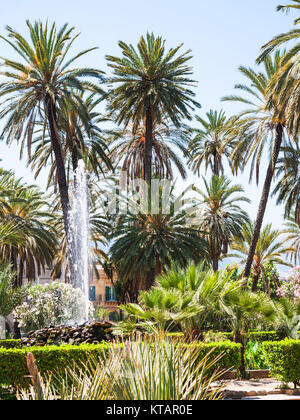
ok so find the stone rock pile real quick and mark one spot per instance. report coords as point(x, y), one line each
point(92, 333)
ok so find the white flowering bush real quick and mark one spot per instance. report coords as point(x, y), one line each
point(290, 287)
point(51, 304)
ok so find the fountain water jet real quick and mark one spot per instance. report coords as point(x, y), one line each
point(80, 235)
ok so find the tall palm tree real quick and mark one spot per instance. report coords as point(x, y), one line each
point(268, 249)
point(151, 84)
point(128, 149)
point(258, 128)
point(211, 143)
point(36, 88)
point(284, 87)
point(220, 216)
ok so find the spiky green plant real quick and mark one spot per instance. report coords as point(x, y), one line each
point(152, 369)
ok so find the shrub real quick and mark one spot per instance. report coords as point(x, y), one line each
point(13, 369)
point(283, 358)
point(10, 344)
point(254, 336)
point(231, 353)
point(254, 356)
point(51, 304)
point(290, 287)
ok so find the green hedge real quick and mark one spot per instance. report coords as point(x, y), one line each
point(254, 336)
point(10, 344)
point(257, 336)
point(283, 357)
point(231, 354)
point(13, 368)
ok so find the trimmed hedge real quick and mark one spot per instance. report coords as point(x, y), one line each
point(13, 368)
point(231, 354)
point(10, 344)
point(254, 336)
point(257, 336)
point(283, 357)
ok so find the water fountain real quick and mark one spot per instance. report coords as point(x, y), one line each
point(80, 243)
point(83, 329)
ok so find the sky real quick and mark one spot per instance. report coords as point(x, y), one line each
point(221, 34)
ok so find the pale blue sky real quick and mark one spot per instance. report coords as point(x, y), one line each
point(222, 35)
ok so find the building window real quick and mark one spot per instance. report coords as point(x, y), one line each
point(92, 293)
point(113, 316)
point(110, 294)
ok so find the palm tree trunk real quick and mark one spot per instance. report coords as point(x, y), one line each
point(264, 198)
point(216, 165)
point(61, 174)
point(255, 282)
point(215, 264)
point(148, 147)
point(240, 339)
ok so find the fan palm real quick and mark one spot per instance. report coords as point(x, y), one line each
point(151, 85)
point(129, 151)
point(181, 298)
point(220, 216)
point(37, 87)
point(211, 143)
point(268, 250)
point(258, 128)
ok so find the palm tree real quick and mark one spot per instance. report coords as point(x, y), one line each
point(129, 151)
point(37, 88)
point(284, 87)
point(181, 298)
point(220, 217)
point(268, 250)
point(145, 245)
point(32, 242)
point(211, 143)
point(151, 85)
point(258, 128)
